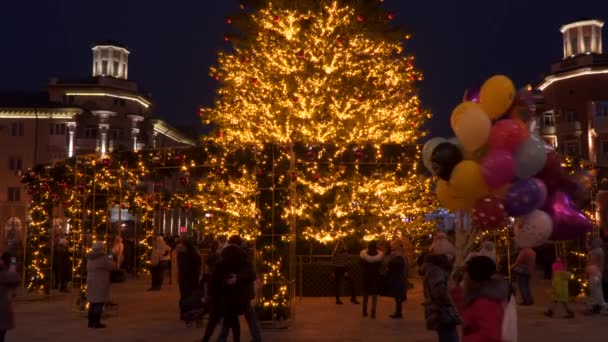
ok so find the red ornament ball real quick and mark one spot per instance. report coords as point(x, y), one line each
point(390, 16)
point(254, 81)
point(295, 99)
point(221, 204)
point(360, 99)
point(360, 18)
point(301, 54)
point(228, 20)
point(220, 134)
point(30, 191)
point(359, 154)
point(178, 158)
point(216, 77)
point(276, 19)
point(489, 213)
point(294, 176)
point(316, 176)
point(340, 40)
point(226, 38)
point(183, 180)
point(105, 161)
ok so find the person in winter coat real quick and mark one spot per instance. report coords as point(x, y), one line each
point(99, 266)
point(340, 260)
point(243, 281)
point(396, 277)
point(188, 271)
point(524, 269)
point(371, 263)
point(9, 280)
point(62, 265)
point(118, 252)
point(161, 256)
point(439, 311)
point(595, 267)
point(559, 289)
point(484, 300)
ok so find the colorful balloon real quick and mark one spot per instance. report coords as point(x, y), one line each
point(568, 222)
point(496, 96)
point(530, 158)
point(508, 135)
point(552, 173)
point(533, 229)
point(489, 212)
point(498, 168)
point(461, 109)
point(448, 200)
point(472, 128)
point(467, 181)
point(523, 197)
point(427, 151)
point(444, 158)
point(543, 192)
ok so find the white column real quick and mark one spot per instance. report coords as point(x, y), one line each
point(568, 44)
point(103, 130)
point(593, 45)
point(600, 48)
point(581, 41)
point(134, 133)
point(71, 133)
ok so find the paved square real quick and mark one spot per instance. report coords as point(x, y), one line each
point(152, 316)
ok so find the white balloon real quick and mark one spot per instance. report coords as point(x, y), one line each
point(533, 229)
point(427, 151)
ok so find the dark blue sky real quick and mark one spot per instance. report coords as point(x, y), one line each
point(457, 44)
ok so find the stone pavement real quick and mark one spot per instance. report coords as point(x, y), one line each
point(152, 316)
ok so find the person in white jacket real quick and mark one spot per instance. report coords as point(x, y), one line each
point(161, 256)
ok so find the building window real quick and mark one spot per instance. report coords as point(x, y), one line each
point(115, 69)
point(15, 163)
point(574, 45)
point(12, 229)
point(572, 148)
point(116, 134)
point(90, 132)
point(104, 67)
point(57, 129)
point(604, 147)
point(17, 129)
point(601, 108)
point(548, 120)
point(571, 116)
point(14, 194)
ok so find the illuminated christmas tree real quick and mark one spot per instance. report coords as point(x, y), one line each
point(319, 88)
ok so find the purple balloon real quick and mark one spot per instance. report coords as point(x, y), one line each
point(568, 222)
point(543, 192)
point(524, 196)
point(498, 168)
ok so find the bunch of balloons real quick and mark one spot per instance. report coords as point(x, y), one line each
point(496, 168)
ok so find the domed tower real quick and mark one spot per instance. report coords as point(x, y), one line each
point(582, 37)
point(110, 59)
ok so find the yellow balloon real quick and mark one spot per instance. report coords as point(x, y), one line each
point(445, 194)
point(496, 95)
point(467, 181)
point(476, 155)
point(472, 127)
point(461, 109)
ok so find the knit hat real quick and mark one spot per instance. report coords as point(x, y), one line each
point(481, 268)
point(443, 247)
point(98, 246)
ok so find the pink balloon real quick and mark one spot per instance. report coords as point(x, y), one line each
point(498, 168)
point(508, 134)
point(568, 222)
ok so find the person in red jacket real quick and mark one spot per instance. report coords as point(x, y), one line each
point(485, 298)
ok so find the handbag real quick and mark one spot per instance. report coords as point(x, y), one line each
point(509, 322)
point(448, 316)
point(117, 276)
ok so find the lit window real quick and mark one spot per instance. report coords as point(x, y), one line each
point(548, 120)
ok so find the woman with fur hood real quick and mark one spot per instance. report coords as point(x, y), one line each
point(371, 263)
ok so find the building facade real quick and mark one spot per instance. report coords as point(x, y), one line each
point(103, 113)
point(573, 106)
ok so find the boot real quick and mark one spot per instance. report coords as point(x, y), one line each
point(98, 324)
point(373, 316)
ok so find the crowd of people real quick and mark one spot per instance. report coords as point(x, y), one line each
point(465, 304)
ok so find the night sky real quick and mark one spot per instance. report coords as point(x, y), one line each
point(457, 44)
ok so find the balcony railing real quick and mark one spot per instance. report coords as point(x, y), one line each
point(547, 130)
point(571, 127)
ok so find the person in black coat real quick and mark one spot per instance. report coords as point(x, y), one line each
point(189, 271)
point(396, 275)
point(61, 265)
point(371, 263)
